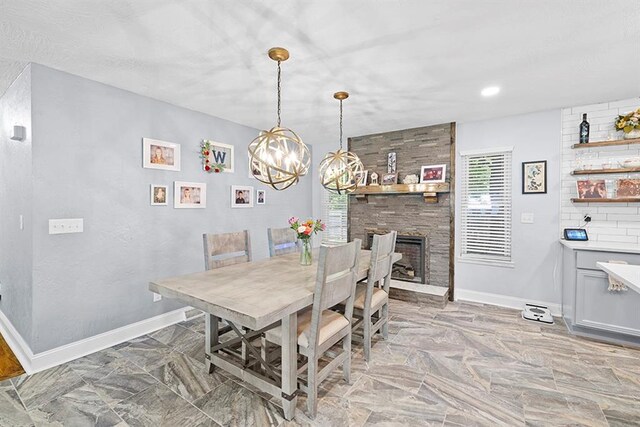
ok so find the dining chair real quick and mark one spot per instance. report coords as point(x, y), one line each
point(221, 250)
point(282, 241)
point(320, 328)
point(372, 295)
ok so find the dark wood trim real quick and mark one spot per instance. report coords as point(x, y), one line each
point(452, 212)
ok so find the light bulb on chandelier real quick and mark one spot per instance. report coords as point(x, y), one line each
point(278, 157)
point(340, 171)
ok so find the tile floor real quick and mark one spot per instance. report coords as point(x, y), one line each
point(463, 365)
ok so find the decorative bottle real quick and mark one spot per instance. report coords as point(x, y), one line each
point(584, 130)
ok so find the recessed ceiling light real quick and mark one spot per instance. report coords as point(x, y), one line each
point(490, 91)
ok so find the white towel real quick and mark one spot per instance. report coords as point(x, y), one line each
point(614, 284)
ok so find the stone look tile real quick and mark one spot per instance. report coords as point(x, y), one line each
point(85, 366)
point(145, 352)
point(80, 407)
point(232, 404)
point(187, 377)
point(159, 406)
point(12, 411)
point(119, 380)
point(43, 387)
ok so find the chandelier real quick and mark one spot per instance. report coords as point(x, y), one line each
point(278, 157)
point(340, 171)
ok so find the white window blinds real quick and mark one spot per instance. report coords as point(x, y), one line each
point(334, 214)
point(486, 206)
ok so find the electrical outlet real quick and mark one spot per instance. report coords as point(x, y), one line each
point(65, 226)
point(156, 297)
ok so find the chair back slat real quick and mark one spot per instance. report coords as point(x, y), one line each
point(282, 241)
point(335, 282)
point(381, 257)
point(226, 249)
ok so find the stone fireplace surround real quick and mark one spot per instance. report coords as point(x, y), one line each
point(409, 214)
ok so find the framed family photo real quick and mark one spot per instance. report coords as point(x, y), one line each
point(261, 197)
point(433, 174)
point(241, 196)
point(189, 195)
point(389, 178)
point(159, 195)
point(158, 154)
point(219, 155)
point(534, 177)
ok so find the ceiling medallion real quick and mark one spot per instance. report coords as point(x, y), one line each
point(278, 157)
point(340, 171)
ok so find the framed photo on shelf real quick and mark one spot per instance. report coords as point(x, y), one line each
point(361, 178)
point(220, 154)
point(389, 178)
point(261, 197)
point(433, 174)
point(628, 187)
point(241, 196)
point(189, 195)
point(534, 177)
point(591, 189)
point(158, 154)
point(159, 195)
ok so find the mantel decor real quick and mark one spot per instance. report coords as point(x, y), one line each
point(278, 156)
point(629, 124)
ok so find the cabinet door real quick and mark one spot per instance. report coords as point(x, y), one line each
point(596, 307)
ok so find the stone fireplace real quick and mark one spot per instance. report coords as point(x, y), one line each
point(411, 215)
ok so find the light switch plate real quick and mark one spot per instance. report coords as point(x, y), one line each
point(526, 218)
point(66, 226)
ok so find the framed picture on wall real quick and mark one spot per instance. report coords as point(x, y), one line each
point(433, 174)
point(241, 196)
point(218, 155)
point(159, 195)
point(158, 154)
point(261, 197)
point(534, 177)
point(189, 195)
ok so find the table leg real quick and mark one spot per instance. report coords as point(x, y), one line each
point(211, 337)
point(289, 365)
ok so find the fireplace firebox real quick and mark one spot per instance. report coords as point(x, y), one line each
point(412, 267)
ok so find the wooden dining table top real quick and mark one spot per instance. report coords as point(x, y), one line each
point(254, 294)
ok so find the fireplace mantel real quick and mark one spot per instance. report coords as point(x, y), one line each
point(429, 191)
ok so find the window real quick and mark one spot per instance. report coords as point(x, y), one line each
point(334, 214)
point(486, 206)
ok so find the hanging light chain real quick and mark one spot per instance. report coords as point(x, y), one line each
point(341, 124)
point(279, 71)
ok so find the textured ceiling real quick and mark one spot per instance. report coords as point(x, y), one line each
point(406, 63)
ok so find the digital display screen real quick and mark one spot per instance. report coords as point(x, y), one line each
point(575, 234)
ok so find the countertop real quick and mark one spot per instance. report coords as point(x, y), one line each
point(630, 248)
point(626, 273)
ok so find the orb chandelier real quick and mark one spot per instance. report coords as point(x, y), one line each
point(278, 157)
point(340, 171)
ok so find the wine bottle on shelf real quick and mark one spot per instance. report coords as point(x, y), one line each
point(584, 130)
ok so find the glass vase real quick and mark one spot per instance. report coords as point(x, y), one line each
point(305, 252)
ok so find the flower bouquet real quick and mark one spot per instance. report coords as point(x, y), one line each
point(629, 124)
point(304, 230)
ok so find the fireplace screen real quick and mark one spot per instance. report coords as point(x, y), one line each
point(412, 266)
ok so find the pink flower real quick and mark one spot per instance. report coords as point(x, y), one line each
point(292, 220)
point(324, 227)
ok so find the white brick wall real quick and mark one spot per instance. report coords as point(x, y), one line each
point(618, 222)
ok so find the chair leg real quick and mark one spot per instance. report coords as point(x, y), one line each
point(312, 386)
point(367, 337)
point(346, 365)
point(385, 316)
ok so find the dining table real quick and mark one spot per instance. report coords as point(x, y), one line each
point(253, 297)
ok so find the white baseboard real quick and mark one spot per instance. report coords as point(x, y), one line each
point(33, 363)
point(502, 300)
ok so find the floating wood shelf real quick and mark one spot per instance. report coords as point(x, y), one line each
point(616, 200)
point(429, 191)
point(599, 171)
point(607, 143)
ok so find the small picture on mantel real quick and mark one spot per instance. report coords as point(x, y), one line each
point(534, 177)
point(433, 174)
point(389, 178)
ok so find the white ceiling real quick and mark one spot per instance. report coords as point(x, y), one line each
point(406, 63)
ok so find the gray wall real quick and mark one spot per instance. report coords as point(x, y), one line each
point(16, 199)
point(88, 164)
point(535, 247)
